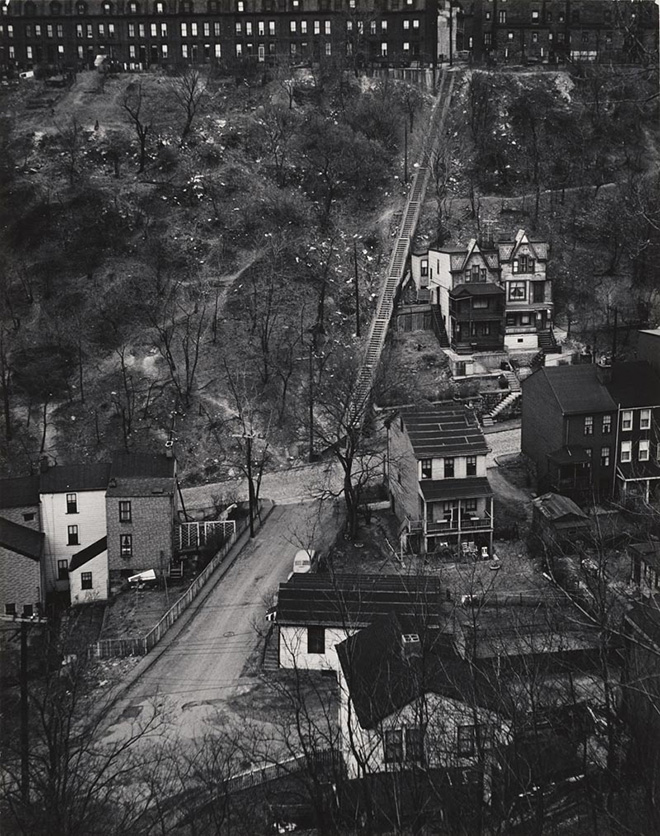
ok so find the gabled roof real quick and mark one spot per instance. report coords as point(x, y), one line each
point(509, 249)
point(570, 454)
point(444, 430)
point(21, 539)
point(141, 474)
point(74, 477)
point(19, 492)
point(577, 389)
point(554, 506)
point(477, 289)
point(357, 600)
point(634, 384)
point(468, 488)
point(85, 555)
point(381, 680)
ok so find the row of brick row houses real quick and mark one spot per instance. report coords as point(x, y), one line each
point(137, 34)
point(69, 531)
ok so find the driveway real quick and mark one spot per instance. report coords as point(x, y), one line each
point(190, 682)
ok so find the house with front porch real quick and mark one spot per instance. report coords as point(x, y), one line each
point(436, 475)
point(528, 299)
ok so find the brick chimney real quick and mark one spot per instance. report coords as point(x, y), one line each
point(604, 370)
point(411, 646)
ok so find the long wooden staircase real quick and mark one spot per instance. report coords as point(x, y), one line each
point(361, 396)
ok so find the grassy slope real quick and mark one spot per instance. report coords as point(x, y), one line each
point(93, 260)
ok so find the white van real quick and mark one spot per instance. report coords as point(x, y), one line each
point(305, 561)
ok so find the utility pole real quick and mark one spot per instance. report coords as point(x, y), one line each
point(614, 334)
point(248, 439)
point(405, 150)
point(357, 289)
point(311, 401)
point(25, 622)
point(25, 733)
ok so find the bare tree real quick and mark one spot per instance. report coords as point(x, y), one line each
point(137, 108)
point(189, 91)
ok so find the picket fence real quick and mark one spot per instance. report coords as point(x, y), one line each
point(113, 648)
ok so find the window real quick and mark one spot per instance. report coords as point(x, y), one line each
point(372, 27)
point(72, 503)
point(517, 291)
point(466, 740)
point(607, 424)
point(502, 17)
point(328, 27)
point(538, 291)
point(604, 456)
point(153, 30)
point(49, 31)
point(316, 639)
point(271, 27)
point(626, 420)
point(383, 49)
point(10, 609)
point(28, 610)
point(426, 468)
point(101, 30)
point(475, 273)
point(141, 30)
point(588, 424)
point(406, 24)
point(216, 30)
point(184, 30)
point(218, 51)
point(383, 25)
point(240, 6)
point(470, 465)
point(449, 468)
point(645, 419)
point(132, 52)
point(81, 8)
point(206, 28)
point(626, 451)
point(535, 16)
point(131, 30)
point(28, 31)
point(29, 516)
point(415, 744)
point(126, 545)
point(62, 570)
point(164, 48)
point(184, 50)
point(424, 267)
point(238, 28)
point(159, 8)
point(292, 26)
point(55, 8)
point(393, 746)
point(479, 303)
point(261, 27)
point(470, 505)
point(163, 32)
point(133, 8)
point(535, 37)
point(72, 535)
point(643, 450)
point(328, 49)
point(416, 24)
point(106, 8)
point(86, 580)
point(248, 28)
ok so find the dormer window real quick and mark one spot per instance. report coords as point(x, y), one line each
point(186, 7)
point(81, 8)
point(55, 8)
point(28, 9)
point(107, 8)
point(133, 8)
point(159, 8)
point(426, 469)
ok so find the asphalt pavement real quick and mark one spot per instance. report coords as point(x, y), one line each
point(200, 667)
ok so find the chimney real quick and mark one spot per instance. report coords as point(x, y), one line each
point(43, 464)
point(604, 370)
point(411, 646)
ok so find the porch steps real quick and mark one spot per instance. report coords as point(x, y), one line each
point(357, 408)
point(270, 659)
point(512, 380)
point(510, 399)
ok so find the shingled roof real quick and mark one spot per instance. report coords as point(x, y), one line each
point(75, 477)
point(634, 384)
point(444, 430)
point(21, 491)
point(357, 600)
point(21, 539)
point(578, 389)
point(142, 474)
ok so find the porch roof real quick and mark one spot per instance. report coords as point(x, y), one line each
point(473, 486)
point(570, 455)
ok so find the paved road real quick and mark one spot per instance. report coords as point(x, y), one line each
point(201, 669)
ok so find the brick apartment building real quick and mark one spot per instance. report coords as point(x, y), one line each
point(593, 431)
point(138, 34)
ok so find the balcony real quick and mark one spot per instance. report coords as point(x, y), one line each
point(457, 526)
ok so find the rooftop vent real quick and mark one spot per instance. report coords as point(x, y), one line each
point(411, 645)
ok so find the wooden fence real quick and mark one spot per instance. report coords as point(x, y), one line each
point(108, 648)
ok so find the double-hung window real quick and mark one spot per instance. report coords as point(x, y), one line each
point(643, 450)
point(626, 451)
point(645, 419)
point(72, 503)
point(626, 420)
point(426, 468)
point(72, 535)
point(86, 580)
point(588, 424)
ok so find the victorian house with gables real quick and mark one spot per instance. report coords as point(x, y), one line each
point(436, 471)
